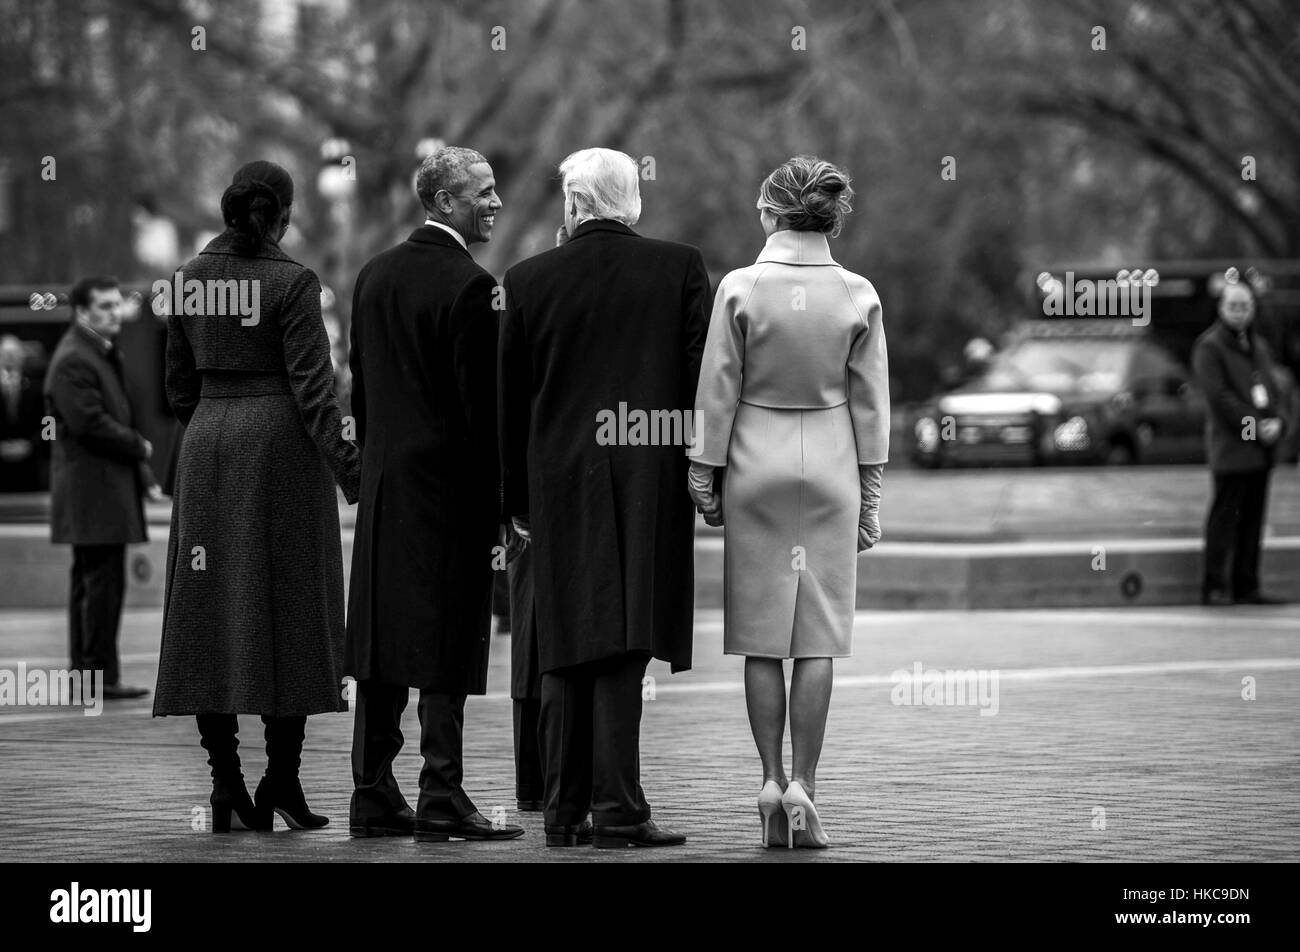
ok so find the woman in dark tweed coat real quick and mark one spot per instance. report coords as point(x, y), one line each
point(253, 619)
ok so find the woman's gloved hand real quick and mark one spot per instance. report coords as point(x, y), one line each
point(869, 475)
point(699, 483)
point(513, 542)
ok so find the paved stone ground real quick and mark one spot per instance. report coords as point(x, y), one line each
point(1136, 712)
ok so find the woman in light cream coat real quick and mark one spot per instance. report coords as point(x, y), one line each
point(793, 401)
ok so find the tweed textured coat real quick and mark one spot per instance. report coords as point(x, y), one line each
point(1231, 376)
point(608, 322)
point(98, 475)
point(424, 393)
point(253, 617)
point(793, 397)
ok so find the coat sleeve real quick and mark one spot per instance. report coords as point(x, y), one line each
point(311, 375)
point(182, 381)
point(868, 383)
point(1224, 402)
point(721, 375)
point(76, 394)
point(695, 321)
point(514, 404)
point(473, 329)
point(1273, 384)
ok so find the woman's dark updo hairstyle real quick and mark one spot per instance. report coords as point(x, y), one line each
point(808, 194)
point(255, 203)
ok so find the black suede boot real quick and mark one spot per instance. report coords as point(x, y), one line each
point(231, 806)
point(280, 790)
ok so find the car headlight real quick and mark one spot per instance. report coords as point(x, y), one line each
point(1072, 435)
point(1046, 404)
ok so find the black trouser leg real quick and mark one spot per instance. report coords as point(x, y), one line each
point(1221, 531)
point(616, 795)
point(376, 740)
point(77, 612)
point(99, 576)
point(565, 739)
point(219, 736)
point(1250, 532)
point(529, 782)
point(442, 731)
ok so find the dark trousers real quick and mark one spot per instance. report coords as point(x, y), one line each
point(95, 608)
point(1233, 532)
point(530, 783)
point(377, 738)
point(590, 739)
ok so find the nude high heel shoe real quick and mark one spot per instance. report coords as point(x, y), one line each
point(775, 830)
point(801, 815)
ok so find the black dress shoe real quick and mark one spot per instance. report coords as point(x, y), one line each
point(122, 692)
point(580, 835)
point(529, 806)
point(642, 834)
point(1259, 598)
point(401, 823)
point(1217, 598)
point(473, 827)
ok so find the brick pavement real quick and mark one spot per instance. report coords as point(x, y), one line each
point(1138, 712)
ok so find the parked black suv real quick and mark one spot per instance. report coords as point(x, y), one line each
point(1068, 393)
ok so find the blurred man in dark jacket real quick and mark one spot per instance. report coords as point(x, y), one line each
point(1242, 430)
point(99, 476)
point(21, 409)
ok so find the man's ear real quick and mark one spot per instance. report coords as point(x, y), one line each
point(442, 201)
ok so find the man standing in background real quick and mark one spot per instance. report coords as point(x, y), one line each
point(1242, 430)
point(99, 476)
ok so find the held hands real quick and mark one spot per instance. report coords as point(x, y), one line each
point(522, 528)
point(513, 541)
point(699, 483)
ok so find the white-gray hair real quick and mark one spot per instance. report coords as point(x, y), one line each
point(604, 183)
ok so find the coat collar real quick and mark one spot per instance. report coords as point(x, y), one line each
point(224, 244)
point(601, 224)
point(797, 247)
point(433, 235)
point(97, 342)
point(1230, 338)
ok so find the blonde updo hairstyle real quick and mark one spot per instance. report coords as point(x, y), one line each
point(808, 194)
